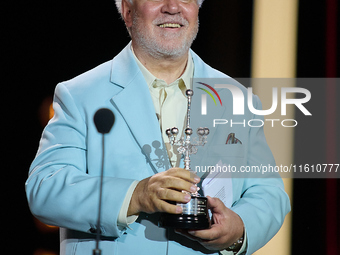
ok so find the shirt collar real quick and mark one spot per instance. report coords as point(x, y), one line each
point(150, 78)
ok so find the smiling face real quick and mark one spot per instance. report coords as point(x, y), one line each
point(162, 28)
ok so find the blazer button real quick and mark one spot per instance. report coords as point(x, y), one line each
point(93, 230)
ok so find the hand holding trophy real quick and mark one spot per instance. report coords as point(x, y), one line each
point(195, 213)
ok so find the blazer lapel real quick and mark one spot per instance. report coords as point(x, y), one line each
point(136, 107)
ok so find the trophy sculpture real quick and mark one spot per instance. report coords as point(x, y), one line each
point(195, 212)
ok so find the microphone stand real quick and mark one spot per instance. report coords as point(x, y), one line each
point(98, 251)
point(103, 120)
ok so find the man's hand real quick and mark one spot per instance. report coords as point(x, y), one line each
point(227, 227)
point(151, 194)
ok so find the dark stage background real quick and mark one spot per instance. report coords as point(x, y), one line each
point(45, 42)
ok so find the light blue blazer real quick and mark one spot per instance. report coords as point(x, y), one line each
point(63, 183)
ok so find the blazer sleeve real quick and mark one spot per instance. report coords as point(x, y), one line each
point(264, 203)
point(58, 188)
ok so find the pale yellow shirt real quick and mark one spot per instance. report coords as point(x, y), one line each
point(170, 103)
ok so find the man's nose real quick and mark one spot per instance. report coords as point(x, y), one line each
point(171, 6)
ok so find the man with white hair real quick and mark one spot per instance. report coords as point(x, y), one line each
point(143, 86)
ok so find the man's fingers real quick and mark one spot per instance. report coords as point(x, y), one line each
point(210, 234)
point(169, 208)
point(179, 184)
point(183, 174)
point(173, 195)
point(215, 204)
point(153, 193)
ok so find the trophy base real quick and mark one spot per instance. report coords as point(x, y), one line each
point(184, 221)
point(195, 216)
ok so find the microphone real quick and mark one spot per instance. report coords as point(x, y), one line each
point(103, 120)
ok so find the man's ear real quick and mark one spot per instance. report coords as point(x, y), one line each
point(127, 13)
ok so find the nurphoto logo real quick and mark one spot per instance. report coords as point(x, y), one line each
point(238, 98)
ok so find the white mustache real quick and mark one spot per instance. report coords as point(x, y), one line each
point(171, 19)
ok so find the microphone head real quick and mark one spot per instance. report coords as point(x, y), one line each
point(104, 119)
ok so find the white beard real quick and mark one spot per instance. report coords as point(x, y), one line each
point(155, 47)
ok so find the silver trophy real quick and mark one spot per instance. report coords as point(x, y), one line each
point(195, 212)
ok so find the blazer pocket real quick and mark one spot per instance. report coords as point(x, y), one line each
point(226, 150)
